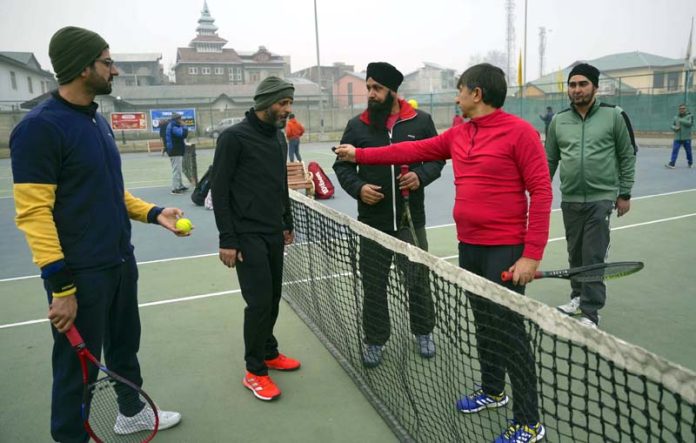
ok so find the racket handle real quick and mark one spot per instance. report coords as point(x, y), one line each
point(404, 171)
point(507, 276)
point(74, 337)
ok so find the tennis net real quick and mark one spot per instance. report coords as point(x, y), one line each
point(591, 386)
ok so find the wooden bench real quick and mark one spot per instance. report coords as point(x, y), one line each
point(155, 146)
point(299, 178)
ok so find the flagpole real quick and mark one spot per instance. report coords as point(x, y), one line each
point(687, 63)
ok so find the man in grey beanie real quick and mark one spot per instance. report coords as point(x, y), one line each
point(253, 217)
point(67, 181)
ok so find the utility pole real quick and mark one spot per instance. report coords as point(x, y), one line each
point(510, 36)
point(542, 49)
point(321, 105)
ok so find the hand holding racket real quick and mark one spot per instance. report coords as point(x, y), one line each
point(590, 273)
point(103, 399)
point(407, 219)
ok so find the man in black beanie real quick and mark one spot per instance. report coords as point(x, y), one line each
point(596, 149)
point(389, 119)
point(75, 213)
point(252, 213)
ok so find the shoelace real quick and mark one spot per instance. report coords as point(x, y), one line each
point(511, 429)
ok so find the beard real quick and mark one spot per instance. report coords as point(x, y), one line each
point(97, 84)
point(276, 118)
point(582, 100)
point(379, 112)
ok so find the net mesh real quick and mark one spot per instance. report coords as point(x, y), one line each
point(590, 386)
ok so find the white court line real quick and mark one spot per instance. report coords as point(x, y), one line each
point(558, 209)
point(178, 300)
point(165, 260)
point(636, 225)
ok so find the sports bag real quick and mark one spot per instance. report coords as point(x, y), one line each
point(323, 188)
point(201, 190)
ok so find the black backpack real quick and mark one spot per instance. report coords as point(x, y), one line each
point(201, 190)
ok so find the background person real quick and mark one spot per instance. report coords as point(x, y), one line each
point(682, 125)
point(176, 147)
point(546, 118)
point(389, 119)
point(75, 213)
point(293, 131)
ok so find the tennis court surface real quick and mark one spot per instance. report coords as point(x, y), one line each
point(593, 386)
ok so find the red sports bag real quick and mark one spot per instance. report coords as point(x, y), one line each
point(323, 188)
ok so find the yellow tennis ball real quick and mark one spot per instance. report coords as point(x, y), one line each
point(184, 225)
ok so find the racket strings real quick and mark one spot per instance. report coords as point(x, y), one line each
point(608, 271)
point(110, 398)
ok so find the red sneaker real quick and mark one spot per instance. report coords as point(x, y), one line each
point(262, 386)
point(283, 363)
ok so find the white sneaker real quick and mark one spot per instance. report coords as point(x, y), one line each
point(145, 421)
point(571, 308)
point(586, 322)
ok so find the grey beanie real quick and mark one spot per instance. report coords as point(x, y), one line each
point(272, 89)
point(72, 49)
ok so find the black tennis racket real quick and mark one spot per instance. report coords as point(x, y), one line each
point(406, 219)
point(590, 273)
point(104, 398)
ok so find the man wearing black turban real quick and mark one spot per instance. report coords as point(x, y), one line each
point(75, 213)
point(389, 119)
point(594, 144)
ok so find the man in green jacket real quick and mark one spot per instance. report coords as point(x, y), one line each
point(681, 125)
point(596, 149)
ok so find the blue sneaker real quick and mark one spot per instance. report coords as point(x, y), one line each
point(517, 433)
point(426, 345)
point(479, 400)
point(372, 356)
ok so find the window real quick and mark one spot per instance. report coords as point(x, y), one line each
point(219, 71)
point(350, 94)
point(13, 80)
point(43, 87)
point(30, 85)
point(238, 74)
point(254, 77)
point(658, 80)
point(193, 70)
point(673, 80)
point(205, 70)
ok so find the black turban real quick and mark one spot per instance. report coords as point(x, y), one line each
point(385, 74)
point(588, 71)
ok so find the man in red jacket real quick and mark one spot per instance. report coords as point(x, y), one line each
point(293, 132)
point(497, 159)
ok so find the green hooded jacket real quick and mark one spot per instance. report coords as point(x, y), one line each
point(597, 154)
point(682, 125)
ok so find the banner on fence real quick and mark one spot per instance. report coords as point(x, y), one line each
point(188, 117)
point(128, 121)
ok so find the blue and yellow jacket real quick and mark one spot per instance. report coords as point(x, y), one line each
point(68, 190)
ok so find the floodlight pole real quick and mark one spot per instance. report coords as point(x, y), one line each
point(321, 106)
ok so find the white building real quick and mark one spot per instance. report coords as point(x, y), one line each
point(21, 79)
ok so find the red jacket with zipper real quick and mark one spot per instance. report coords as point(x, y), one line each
point(497, 159)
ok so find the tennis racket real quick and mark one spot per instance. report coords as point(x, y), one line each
point(590, 273)
point(102, 398)
point(406, 218)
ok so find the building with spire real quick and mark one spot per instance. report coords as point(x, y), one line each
point(207, 62)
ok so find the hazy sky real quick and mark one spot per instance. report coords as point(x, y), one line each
point(405, 33)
